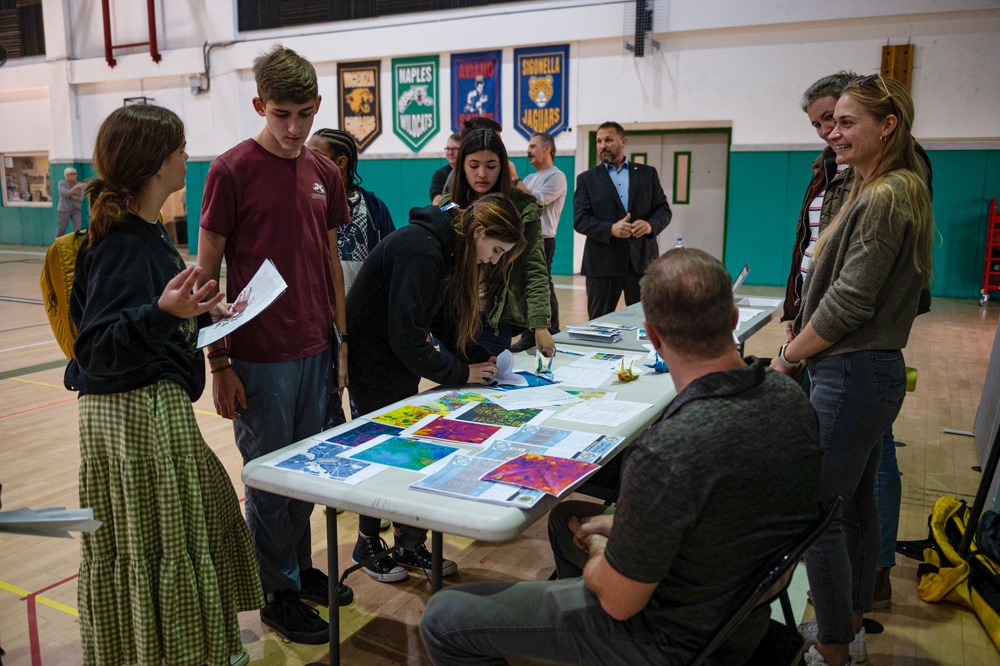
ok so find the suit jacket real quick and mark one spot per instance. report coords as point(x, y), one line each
point(596, 207)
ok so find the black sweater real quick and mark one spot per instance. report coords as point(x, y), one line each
point(397, 298)
point(125, 341)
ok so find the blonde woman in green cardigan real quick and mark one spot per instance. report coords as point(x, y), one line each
point(858, 304)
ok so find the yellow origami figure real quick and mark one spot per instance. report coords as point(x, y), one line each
point(627, 375)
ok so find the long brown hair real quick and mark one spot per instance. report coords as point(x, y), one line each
point(473, 142)
point(499, 220)
point(898, 169)
point(132, 144)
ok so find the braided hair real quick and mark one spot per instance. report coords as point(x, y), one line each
point(336, 143)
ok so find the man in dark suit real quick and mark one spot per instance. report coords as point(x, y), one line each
point(621, 209)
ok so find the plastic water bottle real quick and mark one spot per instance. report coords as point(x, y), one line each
point(679, 243)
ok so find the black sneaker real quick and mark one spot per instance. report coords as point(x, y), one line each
point(420, 560)
point(316, 587)
point(294, 620)
point(382, 569)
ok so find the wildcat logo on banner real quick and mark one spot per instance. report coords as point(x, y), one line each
point(541, 99)
point(359, 111)
point(415, 99)
point(475, 87)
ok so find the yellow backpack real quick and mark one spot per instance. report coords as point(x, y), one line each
point(972, 582)
point(56, 283)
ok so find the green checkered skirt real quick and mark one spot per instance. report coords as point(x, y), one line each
point(164, 577)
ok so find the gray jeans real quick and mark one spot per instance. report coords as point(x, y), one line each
point(286, 402)
point(559, 621)
point(64, 218)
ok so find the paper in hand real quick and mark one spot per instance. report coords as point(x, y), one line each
point(263, 289)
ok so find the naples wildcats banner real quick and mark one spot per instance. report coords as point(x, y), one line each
point(475, 87)
point(359, 111)
point(541, 99)
point(415, 100)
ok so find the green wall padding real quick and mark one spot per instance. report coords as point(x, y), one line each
point(765, 195)
point(24, 225)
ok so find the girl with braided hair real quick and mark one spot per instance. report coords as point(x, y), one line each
point(370, 223)
point(370, 218)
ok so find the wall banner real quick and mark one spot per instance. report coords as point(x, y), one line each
point(475, 87)
point(415, 100)
point(359, 111)
point(541, 98)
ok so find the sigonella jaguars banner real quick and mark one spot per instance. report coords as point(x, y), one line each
point(541, 83)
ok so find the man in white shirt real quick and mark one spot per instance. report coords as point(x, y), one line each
point(548, 185)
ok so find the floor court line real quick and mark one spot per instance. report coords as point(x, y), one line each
point(31, 409)
point(32, 369)
point(32, 381)
point(45, 601)
point(33, 344)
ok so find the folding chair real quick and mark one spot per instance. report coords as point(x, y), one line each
point(772, 583)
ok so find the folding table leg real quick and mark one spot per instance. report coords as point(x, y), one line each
point(437, 558)
point(333, 567)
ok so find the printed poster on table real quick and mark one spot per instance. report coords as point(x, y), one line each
point(359, 112)
point(475, 87)
point(541, 96)
point(415, 100)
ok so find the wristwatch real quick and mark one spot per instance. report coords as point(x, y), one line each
point(784, 361)
point(344, 338)
point(516, 181)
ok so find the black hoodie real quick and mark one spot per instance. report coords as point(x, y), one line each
point(398, 298)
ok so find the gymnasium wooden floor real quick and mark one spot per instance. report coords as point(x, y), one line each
point(38, 468)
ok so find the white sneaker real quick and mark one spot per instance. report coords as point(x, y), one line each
point(859, 650)
point(814, 658)
point(241, 658)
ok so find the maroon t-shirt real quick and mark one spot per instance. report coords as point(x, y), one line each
point(270, 207)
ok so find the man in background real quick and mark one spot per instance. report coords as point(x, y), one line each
point(441, 175)
point(70, 201)
point(548, 185)
point(621, 209)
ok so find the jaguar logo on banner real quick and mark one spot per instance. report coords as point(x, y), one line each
point(475, 87)
point(541, 99)
point(415, 100)
point(359, 112)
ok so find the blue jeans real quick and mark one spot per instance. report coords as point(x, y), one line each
point(888, 495)
point(557, 621)
point(492, 342)
point(286, 402)
point(857, 397)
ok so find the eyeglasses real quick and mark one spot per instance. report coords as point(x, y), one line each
point(451, 150)
point(870, 82)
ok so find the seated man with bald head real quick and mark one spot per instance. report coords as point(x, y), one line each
point(710, 494)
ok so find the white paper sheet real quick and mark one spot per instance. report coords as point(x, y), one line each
point(746, 314)
point(263, 289)
point(584, 378)
point(611, 413)
point(52, 522)
point(507, 375)
point(538, 396)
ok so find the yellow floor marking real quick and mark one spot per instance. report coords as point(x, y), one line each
point(13, 589)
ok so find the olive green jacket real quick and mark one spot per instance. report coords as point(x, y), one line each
point(525, 301)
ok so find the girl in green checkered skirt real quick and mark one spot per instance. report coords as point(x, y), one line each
point(162, 580)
